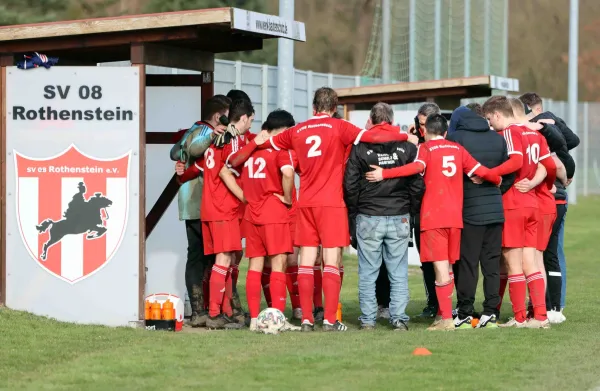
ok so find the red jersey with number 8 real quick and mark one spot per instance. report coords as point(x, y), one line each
point(218, 202)
point(320, 145)
point(518, 142)
point(445, 162)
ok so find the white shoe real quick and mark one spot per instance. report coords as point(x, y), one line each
point(383, 313)
point(297, 313)
point(537, 324)
point(287, 326)
point(512, 322)
point(253, 324)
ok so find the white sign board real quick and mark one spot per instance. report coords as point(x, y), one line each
point(255, 22)
point(72, 216)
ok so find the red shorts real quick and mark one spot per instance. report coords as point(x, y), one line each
point(268, 239)
point(520, 228)
point(221, 236)
point(544, 229)
point(324, 225)
point(442, 244)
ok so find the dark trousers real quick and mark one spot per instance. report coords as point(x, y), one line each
point(196, 263)
point(479, 244)
point(426, 268)
point(382, 287)
point(551, 262)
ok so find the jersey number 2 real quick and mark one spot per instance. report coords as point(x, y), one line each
point(258, 174)
point(448, 165)
point(314, 149)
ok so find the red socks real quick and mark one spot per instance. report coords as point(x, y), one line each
point(444, 296)
point(537, 291)
point(332, 283)
point(217, 289)
point(226, 306)
point(278, 293)
point(503, 284)
point(253, 292)
point(318, 287)
point(291, 278)
point(265, 281)
point(306, 284)
point(517, 290)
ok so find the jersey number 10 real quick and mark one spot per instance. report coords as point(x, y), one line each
point(533, 153)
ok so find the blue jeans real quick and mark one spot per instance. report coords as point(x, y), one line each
point(562, 260)
point(382, 238)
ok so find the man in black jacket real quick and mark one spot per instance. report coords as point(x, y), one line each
point(483, 217)
point(379, 218)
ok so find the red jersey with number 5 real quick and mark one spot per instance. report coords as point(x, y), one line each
point(445, 162)
point(218, 203)
point(518, 143)
point(261, 179)
point(320, 144)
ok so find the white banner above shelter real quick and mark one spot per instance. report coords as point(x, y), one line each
point(268, 25)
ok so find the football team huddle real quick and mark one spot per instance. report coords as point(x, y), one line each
point(245, 185)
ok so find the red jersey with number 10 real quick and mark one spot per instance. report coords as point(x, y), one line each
point(218, 202)
point(518, 143)
point(538, 151)
point(444, 161)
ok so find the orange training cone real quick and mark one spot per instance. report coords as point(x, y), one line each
point(421, 352)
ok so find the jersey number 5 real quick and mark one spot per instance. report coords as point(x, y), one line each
point(533, 153)
point(258, 174)
point(314, 149)
point(448, 165)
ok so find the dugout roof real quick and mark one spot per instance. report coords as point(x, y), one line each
point(440, 91)
point(89, 41)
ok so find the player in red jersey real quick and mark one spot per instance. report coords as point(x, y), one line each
point(268, 233)
point(320, 145)
point(520, 235)
point(443, 162)
point(219, 208)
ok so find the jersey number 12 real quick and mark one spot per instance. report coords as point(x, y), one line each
point(260, 163)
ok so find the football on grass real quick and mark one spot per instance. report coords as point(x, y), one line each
point(270, 321)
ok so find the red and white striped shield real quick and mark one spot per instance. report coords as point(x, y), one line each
point(72, 210)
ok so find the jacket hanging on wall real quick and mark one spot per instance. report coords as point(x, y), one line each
point(36, 60)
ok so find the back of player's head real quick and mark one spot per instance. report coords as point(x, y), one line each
point(517, 106)
point(498, 104)
point(239, 108)
point(382, 113)
point(428, 109)
point(238, 94)
point(531, 99)
point(218, 104)
point(476, 108)
point(279, 119)
point(436, 125)
point(325, 100)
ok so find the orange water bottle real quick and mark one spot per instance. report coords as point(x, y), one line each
point(147, 307)
point(338, 314)
point(168, 313)
point(155, 311)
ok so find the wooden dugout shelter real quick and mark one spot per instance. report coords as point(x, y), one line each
point(447, 93)
point(184, 40)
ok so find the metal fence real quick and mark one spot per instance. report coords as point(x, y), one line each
point(260, 83)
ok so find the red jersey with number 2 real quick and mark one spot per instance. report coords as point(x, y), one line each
point(445, 162)
point(320, 144)
point(218, 202)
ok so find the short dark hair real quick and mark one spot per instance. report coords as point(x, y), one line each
point(428, 109)
point(238, 94)
point(531, 99)
point(382, 113)
point(279, 119)
point(476, 108)
point(238, 108)
point(436, 124)
point(217, 104)
point(325, 100)
point(499, 104)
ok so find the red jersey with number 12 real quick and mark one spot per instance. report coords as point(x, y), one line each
point(518, 143)
point(444, 161)
point(218, 202)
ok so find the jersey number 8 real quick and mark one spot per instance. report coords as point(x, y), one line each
point(448, 165)
point(209, 158)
